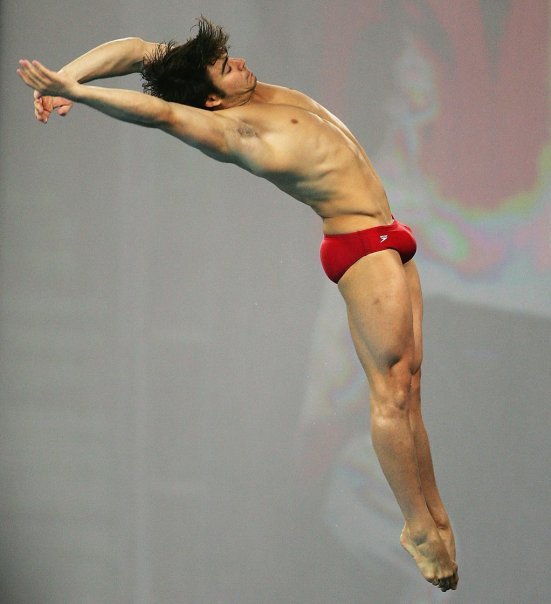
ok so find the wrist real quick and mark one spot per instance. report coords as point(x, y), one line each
point(69, 73)
point(75, 92)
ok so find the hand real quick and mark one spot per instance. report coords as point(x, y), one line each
point(51, 88)
point(44, 105)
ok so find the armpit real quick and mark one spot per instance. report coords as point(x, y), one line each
point(246, 130)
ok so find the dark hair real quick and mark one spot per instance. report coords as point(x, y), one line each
point(178, 72)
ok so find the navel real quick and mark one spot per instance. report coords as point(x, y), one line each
point(294, 121)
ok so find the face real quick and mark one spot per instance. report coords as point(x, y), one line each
point(232, 76)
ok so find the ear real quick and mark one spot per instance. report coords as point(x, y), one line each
point(213, 100)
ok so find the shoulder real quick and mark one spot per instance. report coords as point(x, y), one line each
point(280, 95)
point(286, 96)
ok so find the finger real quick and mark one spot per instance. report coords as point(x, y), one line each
point(22, 71)
point(38, 65)
point(36, 79)
point(27, 73)
point(34, 72)
point(25, 77)
point(41, 69)
point(26, 66)
point(48, 103)
point(42, 117)
point(41, 111)
point(39, 106)
point(41, 114)
point(63, 105)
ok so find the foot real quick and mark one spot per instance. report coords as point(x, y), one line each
point(446, 534)
point(431, 556)
point(444, 528)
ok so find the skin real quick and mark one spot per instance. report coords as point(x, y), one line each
point(289, 139)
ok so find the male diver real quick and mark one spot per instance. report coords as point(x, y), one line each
point(211, 101)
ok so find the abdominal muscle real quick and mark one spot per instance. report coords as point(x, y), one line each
point(357, 209)
point(339, 218)
point(343, 188)
point(350, 223)
point(348, 196)
point(357, 201)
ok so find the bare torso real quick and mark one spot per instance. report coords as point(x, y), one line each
point(299, 146)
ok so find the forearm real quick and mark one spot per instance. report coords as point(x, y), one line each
point(125, 105)
point(115, 58)
point(197, 127)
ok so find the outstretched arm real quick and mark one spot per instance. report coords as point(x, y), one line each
point(118, 57)
point(115, 58)
point(211, 132)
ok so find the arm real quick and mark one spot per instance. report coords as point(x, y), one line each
point(115, 58)
point(212, 133)
point(119, 57)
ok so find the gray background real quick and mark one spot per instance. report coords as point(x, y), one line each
point(160, 356)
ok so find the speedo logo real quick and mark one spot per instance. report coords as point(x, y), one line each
point(383, 238)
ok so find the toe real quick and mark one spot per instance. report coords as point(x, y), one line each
point(454, 579)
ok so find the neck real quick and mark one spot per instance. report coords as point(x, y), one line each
point(263, 93)
point(260, 94)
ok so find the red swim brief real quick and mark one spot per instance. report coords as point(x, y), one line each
point(339, 252)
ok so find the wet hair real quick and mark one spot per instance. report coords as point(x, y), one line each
point(178, 72)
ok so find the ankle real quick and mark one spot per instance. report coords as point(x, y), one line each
point(441, 520)
point(421, 533)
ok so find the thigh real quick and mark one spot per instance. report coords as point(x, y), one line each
point(380, 314)
point(416, 297)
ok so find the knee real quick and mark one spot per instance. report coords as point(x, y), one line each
point(392, 395)
point(416, 384)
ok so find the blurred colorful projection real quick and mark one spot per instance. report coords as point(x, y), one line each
point(456, 102)
point(454, 99)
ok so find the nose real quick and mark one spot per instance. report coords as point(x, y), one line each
point(240, 64)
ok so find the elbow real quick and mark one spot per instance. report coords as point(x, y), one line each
point(165, 119)
point(137, 50)
point(144, 49)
